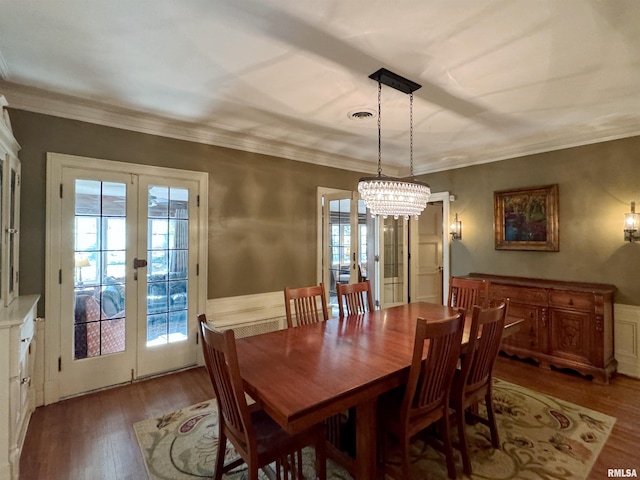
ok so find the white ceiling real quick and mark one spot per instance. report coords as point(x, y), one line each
point(500, 78)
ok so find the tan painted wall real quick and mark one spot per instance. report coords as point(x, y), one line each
point(596, 185)
point(262, 210)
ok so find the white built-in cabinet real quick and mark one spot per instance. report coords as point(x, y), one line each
point(17, 313)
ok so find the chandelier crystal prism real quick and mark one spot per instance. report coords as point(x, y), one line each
point(389, 196)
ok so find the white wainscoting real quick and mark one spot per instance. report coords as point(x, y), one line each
point(264, 312)
point(627, 339)
point(248, 314)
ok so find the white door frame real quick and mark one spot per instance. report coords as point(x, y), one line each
point(55, 164)
point(445, 198)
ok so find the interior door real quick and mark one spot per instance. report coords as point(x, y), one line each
point(426, 259)
point(129, 308)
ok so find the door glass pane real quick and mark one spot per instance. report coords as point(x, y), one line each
point(12, 228)
point(99, 286)
point(339, 246)
point(167, 270)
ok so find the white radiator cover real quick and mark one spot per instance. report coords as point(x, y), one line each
point(627, 339)
point(248, 314)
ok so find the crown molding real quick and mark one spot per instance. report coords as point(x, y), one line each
point(548, 142)
point(65, 106)
point(47, 103)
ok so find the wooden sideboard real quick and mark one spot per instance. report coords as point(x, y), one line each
point(566, 324)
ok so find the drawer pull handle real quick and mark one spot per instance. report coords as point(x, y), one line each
point(26, 380)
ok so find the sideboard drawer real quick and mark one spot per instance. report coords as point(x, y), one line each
point(572, 300)
point(530, 296)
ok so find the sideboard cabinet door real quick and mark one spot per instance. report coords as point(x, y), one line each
point(571, 336)
point(529, 304)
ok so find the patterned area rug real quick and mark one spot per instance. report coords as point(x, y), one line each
point(541, 438)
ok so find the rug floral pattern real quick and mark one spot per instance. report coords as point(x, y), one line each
point(541, 437)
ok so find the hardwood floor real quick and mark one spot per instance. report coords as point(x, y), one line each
point(91, 437)
point(620, 399)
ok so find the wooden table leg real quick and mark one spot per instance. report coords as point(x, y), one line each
point(366, 453)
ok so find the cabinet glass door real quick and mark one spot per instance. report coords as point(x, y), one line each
point(393, 259)
point(10, 221)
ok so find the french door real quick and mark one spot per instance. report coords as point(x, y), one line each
point(347, 243)
point(128, 281)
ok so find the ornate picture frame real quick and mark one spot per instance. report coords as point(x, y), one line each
point(527, 219)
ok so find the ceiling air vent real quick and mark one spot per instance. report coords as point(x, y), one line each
point(362, 114)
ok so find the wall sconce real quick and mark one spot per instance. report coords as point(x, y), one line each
point(456, 228)
point(631, 223)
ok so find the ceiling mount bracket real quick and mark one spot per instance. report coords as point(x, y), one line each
point(395, 81)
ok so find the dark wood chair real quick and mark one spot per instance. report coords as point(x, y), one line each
point(425, 399)
point(473, 381)
point(354, 298)
point(467, 292)
point(305, 305)
point(257, 438)
point(305, 311)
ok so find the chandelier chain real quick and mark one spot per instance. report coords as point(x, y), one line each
point(379, 129)
point(411, 133)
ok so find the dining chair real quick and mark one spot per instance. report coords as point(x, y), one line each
point(472, 383)
point(305, 305)
point(257, 438)
point(354, 298)
point(467, 292)
point(306, 311)
point(425, 398)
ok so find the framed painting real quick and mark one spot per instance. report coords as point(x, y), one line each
point(527, 219)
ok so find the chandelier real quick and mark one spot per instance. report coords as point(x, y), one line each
point(389, 196)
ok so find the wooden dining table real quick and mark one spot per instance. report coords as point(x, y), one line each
point(303, 375)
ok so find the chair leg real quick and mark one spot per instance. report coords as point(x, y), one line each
point(221, 450)
point(448, 448)
point(464, 448)
point(321, 459)
point(495, 439)
point(406, 457)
